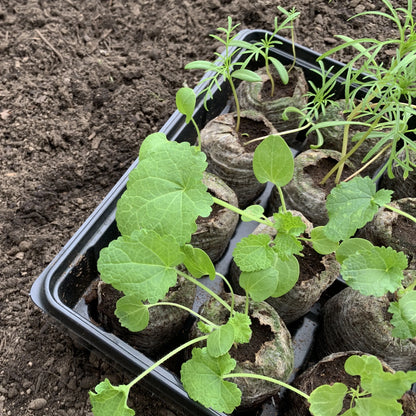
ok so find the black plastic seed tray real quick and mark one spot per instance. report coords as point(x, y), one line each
point(60, 289)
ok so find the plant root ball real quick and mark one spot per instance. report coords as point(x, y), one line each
point(352, 321)
point(229, 158)
point(257, 96)
point(304, 192)
point(165, 322)
point(390, 229)
point(331, 370)
point(269, 351)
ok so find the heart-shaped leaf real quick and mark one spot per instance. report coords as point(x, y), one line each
point(142, 265)
point(110, 400)
point(202, 378)
point(260, 284)
point(327, 400)
point(132, 313)
point(220, 340)
point(165, 192)
point(253, 252)
point(404, 316)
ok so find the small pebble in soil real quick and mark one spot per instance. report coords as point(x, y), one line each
point(26, 384)
point(37, 404)
point(88, 381)
point(4, 46)
point(94, 360)
point(12, 392)
point(72, 384)
point(319, 20)
point(25, 245)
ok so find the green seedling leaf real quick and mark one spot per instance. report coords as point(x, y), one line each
point(288, 275)
point(241, 324)
point(327, 400)
point(390, 386)
point(253, 253)
point(205, 328)
point(151, 144)
point(381, 389)
point(280, 68)
point(286, 222)
point(246, 75)
point(220, 340)
point(351, 205)
point(286, 244)
point(365, 366)
point(204, 65)
point(381, 384)
point(241, 44)
point(185, 102)
point(321, 243)
point(273, 161)
point(198, 262)
point(404, 316)
point(376, 406)
point(202, 378)
point(254, 211)
point(382, 197)
point(351, 246)
point(165, 192)
point(288, 227)
point(260, 284)
point(374, 272)
point(142, 265)
point(110, 400)
point(132, 313)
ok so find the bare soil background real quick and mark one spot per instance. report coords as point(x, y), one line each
point(81, 84)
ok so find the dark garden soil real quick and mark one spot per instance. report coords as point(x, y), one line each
point(81, 84)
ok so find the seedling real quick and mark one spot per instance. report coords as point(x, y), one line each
point(262, 47)
point(373, 271)
point(389, 92)
point(225, 66)
point(156, 217)
point(144, 263)
point(185, 102)
point(377, 394)
point(319, 97)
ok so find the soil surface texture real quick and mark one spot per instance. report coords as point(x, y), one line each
point(82, 83)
